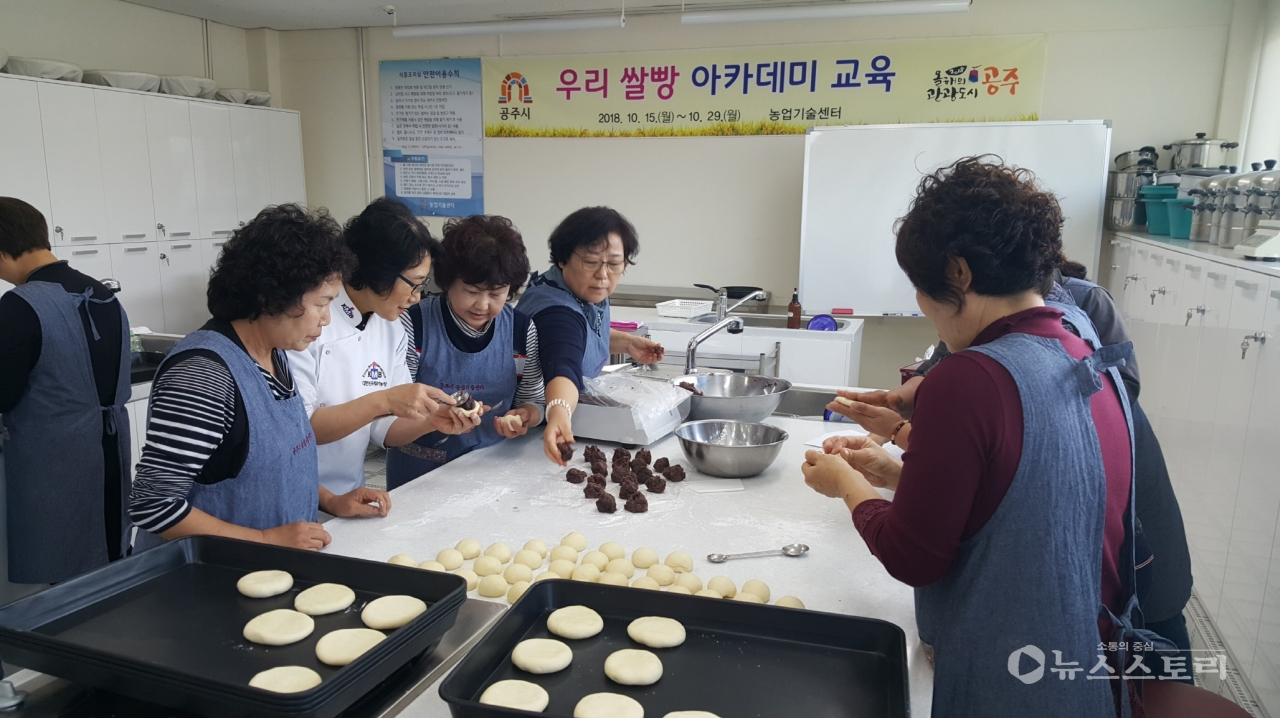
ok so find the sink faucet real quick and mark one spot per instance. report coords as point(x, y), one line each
point(722, 301)
point(733, 324)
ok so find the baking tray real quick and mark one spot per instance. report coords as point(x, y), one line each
point(166, 626)
point(739, 659)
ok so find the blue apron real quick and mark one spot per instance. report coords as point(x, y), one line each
point(53, 458)
point(489, 376)
point(549, 290)
point(1029, 582)
point(280, 481)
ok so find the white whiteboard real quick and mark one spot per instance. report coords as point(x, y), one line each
point(859, 180)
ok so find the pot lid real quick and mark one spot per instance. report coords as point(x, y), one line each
point(1201, 138)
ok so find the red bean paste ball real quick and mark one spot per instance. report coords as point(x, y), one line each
point(621, 454)
point(592, 453)
point(661, 464)
point(644, 456)
point(656, 485)
point(576, 476)
point(637, 504)
point(674, 473)
point(600, 467)
point(566, 451)
point(622, 474)
point(629, 489)
point(606, 504)
point(597, 479)
point(594, 491)
point(643, 474)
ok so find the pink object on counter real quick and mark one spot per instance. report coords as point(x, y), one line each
point(625, 326)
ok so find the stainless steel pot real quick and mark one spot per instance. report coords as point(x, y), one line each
point(1132, 158)
point(1121, 214)
point(1209, 196)
point(1237, 211)
point(1263, 196)
point(1126, 183)
point(1200, 151)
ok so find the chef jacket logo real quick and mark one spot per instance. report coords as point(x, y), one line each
point(515, 88)
point(348, 310)
point(374, 375)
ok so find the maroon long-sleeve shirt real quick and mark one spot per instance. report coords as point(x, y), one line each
point(966, 443)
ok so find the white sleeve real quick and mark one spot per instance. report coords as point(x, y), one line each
point(305, 366)
point(399, 375)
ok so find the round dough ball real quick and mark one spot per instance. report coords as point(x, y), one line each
point(790, 602)
point(748, 598)
point(633, 667)
point(644, 557)
point(656, 632)
point(527, 557)
point(517, 590)
point(265, 584)
point(608, 705)
point(681, 590)
point(324, 598)
point(340, 647)
point(473, 579)
point(517, 572)
point(689, 581)
point(432, 566)
point(500, 551)
point(622, 566)
point(586, 572)
point(708, 593)
point(391, 612)
point(613, 550)
point(757, 587)
point(538, 546)
point(493, 585)
point(487, 566)
point(541, 655)
point(647, 583)
point(279, 627)
point(545, 575)
point(521, 695)
point(723, 586)
point(564, 553)
point(402, 559)
point(562, 568)
point(597, 559)
point(575, 622)
point(576, 540)
point(609, 578)
point(680, 561)
point(469, 548)
point(450, 558)
point(286, 679)
point(662, 573)
point(690, 714)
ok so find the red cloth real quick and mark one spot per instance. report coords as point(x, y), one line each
point(966, 443)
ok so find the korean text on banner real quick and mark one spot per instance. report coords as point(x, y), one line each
point(431, 135)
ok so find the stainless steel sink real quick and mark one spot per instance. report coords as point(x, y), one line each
point(765, 321)
point(804, 403)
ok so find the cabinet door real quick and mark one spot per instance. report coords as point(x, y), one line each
point(173, 170)
point(288, 183)
point(815, 362)
point(184, 277)
point(250, 141)
point(137, 267)
point(215, 170)
point(93, 261)
point(210, 250)
point(126, 166)
point(22, 168)
point(1179, 345)
point(74, 162)
point(1259, 507)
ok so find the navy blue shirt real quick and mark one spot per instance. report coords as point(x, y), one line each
point(562, 336)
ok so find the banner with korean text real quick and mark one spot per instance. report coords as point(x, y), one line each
point(765, 90)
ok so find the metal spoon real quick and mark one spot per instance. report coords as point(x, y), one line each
point(791, 549)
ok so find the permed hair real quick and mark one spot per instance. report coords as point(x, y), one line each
point(482, 250)
point(588, 227)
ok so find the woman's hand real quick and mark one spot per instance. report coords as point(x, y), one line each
point(363, 501)
point(902, 399)
point(447, 421)
point(879, 420)
point(307, 535)
point(559, 431)
point(868, 458)
point(832, 476)
point(511, 429)
point(414, 401)
point(645, 351)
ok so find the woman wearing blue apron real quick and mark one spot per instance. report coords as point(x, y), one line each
point(469, 339)
point(590, 251)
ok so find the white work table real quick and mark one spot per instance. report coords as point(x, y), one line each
point(511, 493)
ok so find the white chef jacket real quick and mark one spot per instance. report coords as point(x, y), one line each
point(344, 364)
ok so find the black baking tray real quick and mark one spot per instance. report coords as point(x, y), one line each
point(739, 659)
point(166, 626)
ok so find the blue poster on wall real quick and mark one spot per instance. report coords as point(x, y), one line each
point(432, 134)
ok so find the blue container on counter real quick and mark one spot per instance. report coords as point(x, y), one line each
point(1179, 217)
point(1153, 198)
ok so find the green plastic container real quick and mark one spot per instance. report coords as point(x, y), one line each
point(1153, 198)
point(1179, 217)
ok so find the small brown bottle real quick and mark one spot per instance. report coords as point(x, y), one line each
point(793, 310)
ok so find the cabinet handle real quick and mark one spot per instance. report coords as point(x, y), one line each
point(1247, 286)
point(180, 234)
point(135, 249)
point(218, 244)
point(1259, 337)
point(84, 251)
point(180, 246)
point(221, 231)
point(1215, 276)
point(1171, 262)
point(136, 236)
point(1115, 242)
point(1157, 257)
point(85, 238)
point(1275, 294)
point(1191, 267)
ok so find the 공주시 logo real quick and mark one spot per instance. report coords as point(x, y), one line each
point(515, 88)
point(1015, 661)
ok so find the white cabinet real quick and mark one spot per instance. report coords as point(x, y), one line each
point(288, 183)
point(126, 167)
point(250, 141)
point(93, 261)
point(173, 170)
point(210, 250)
point(71, 154)
point(817, 362)
point(184, 278)
point(137, 267)
point(801, 358)
point(1259, 502)
point(215, 170)
point(22, 168)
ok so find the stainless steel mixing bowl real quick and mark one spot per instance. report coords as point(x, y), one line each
point(730, 449)
point(740, 397)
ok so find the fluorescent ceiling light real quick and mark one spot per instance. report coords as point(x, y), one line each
point(567, 24)
point(833, 11)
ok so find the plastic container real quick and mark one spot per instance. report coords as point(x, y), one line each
point(1152, 198)
point(683, 308)
point(1180, 215)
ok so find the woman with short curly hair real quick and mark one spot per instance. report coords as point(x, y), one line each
point(1012, 505)
point(229, 450)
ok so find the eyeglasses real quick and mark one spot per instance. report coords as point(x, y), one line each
point(414, 288)
point(594, 265)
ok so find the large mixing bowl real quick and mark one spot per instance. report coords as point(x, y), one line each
point(730, 449)
point(740, 397)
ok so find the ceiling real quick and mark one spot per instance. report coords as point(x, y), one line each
point(317, 14)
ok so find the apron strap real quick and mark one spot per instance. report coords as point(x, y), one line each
point(79, 299)
point(1088, 369)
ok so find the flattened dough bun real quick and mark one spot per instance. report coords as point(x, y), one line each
point(656, 632)
point(279, 627)
point(633, 667)
point(390, 612)
point(500, 551)
point(340, 647)
point(644, 557)
point(324, 598)
point(402, 559)
point(690, 714)
point(511, 420)
point(469, 548)
point(450, 558)
point(264, 584)
point(608, 705)
point(520, 695)
point(541, 655)
point(286, 679)
point(576, 540)
point(844, 401)
point(575, 622)
point(493, 586)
